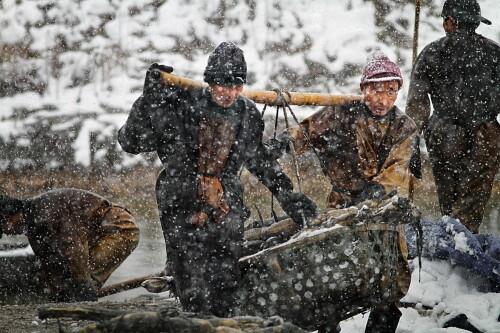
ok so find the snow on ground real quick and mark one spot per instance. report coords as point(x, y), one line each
point(441, 293)
point(21, 252)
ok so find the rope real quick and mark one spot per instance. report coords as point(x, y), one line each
point(273, 213)
point(283, 103)
point(322, 164)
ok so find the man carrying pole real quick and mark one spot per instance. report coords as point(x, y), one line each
point(204, 137)
point(364, 147)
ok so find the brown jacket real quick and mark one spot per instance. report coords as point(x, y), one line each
point(67, 228)
point(356, 147)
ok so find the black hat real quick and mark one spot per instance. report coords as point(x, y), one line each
point(464, 10)
point(10, 205)
point(226, 66)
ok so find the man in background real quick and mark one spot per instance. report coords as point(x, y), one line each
point(204, 138)
point(459, 74)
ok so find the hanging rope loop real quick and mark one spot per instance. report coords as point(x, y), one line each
point(281, 99)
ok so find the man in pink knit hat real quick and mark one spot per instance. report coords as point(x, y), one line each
point(364, 148)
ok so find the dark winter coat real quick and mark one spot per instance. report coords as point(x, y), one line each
point(70, 230)
point(356, 148)
point(204, 260)
point(460, 73)
point(171, 128)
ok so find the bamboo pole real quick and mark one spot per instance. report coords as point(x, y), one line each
point(262, 96)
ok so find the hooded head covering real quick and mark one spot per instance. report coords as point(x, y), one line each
point(379, 68)
point(8, 206)
point(464, 10)
point(226, 66)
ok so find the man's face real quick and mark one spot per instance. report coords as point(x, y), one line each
point(380, 96)
point(449, 25)
point(225, 96)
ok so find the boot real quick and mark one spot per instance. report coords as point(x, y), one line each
point(383, 319)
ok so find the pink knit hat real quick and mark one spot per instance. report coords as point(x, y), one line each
point(379, 68)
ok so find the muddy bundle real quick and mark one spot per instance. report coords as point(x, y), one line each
point(347, 262)
point(166, 320)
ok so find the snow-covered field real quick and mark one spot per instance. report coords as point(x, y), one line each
point(91, 56)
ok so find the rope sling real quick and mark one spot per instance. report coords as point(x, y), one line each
point(283, 104)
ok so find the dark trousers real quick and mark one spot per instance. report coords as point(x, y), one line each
point(204, 262)
point(383, 319)
point(464, 163)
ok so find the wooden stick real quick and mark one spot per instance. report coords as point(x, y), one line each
point(127, 285)
point(415, 30)
point(80, 313)
point(262, 96)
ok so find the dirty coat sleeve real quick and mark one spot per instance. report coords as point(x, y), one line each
point(418, 105)
point(394, 173)
point(312, 127)
point(137, 135)
point(267, 169)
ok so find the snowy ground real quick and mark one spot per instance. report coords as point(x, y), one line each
point(448, 291)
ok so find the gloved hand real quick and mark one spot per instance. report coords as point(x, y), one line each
point(280, 145)
point(151, 84)
point(298, 207)
point(373, 191)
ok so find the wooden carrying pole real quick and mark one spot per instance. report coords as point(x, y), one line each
point(262, 96)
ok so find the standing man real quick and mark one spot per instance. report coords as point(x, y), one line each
point(365, 148)
point(79, 237)
point(204, 138)
point(459, 74)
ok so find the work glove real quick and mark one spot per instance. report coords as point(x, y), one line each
point(299, 207)
point(280, 145)
point(152, 87)
point(373, 191)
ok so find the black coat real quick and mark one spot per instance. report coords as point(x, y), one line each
point(203, 260)
point(169, 125)
point(460, 72)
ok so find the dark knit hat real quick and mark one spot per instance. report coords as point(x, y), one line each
point(464, 10)
point(10, 205)
point(379, 68)
point(226, 66)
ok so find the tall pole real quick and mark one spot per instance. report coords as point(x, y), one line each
point(415, 30)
